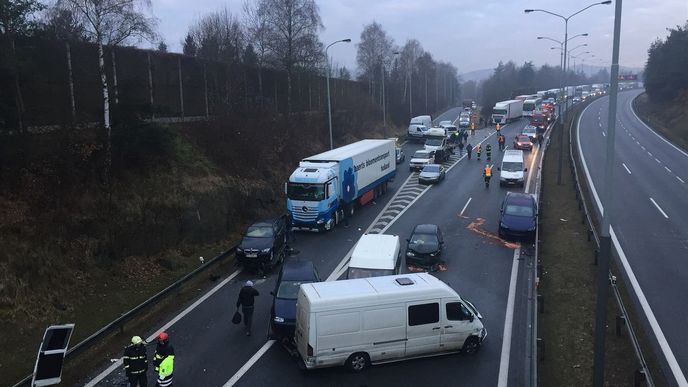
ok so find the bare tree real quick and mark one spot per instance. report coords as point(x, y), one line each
point(110, 23)
point(162, 46)
point(374, 48)
point(189, 45)
point(218, 36)
point(257, 31)
point(344, 73)
point(292, 37)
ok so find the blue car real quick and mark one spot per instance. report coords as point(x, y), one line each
point(283, 310)
point(518, 217)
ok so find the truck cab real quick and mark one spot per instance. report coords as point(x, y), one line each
point(312, 195)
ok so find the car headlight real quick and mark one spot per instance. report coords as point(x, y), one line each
point(531, 228)
point(266, 250)
point(502, 225)
point(239, 250)
point(279, 319)
point(320, 221)
point(410, 254)
point(433, 254)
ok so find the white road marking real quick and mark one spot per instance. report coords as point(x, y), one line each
point(679, 179)
point(604, 134)
point(508, 324)
point(668, 170)
point(649, 314)
point(178, 317)
point(657, 160)
point(235, 378)
point(642, 147)
point(659, 208)
point(464, 207)
point(600, 124)
point(637, 142)
point(648, 152)
point(627, 170)
point(630, 105)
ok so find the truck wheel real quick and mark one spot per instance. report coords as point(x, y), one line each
point(471, 346)
point(358, 362)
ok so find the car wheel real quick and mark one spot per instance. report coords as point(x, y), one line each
point(358, 362)
point(471, 346)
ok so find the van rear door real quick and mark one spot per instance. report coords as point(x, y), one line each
point(456, 324)
point(423, 327)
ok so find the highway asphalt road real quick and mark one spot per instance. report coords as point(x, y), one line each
point(649, 221)
point(213, 352)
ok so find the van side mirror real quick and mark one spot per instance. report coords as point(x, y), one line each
point(499, 169)
point(408, 239)
point(471, 318)
point(525, 170)
point(272, 293)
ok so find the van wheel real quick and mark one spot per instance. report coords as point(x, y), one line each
point(358, 362)
point(471, 346)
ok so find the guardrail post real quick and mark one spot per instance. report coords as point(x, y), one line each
point(639, 378)
point(589, 235)
point(540, 343)
point(597, 252)
point(541, 303)
point(620, 322)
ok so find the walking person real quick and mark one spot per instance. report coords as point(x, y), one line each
point(500, 141)
point(136, 362)
point(469, 150)
point(163, 361)
point(460, 148)
point(247, 296)
point(539, 139)
point(478, 149)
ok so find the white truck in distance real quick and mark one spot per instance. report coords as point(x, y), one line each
point(506, 111)
point(327, 185)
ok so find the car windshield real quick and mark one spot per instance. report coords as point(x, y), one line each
point(289, 290)
point(512, 166)
point(499, 111)
point(528, 130)
point(421, 155)
point(259, 232)
point(357, 272)
point(528, 106)
point(431, 168)
point(433, 142)
point(523, 139)
point(519, 210)
point(429, 240)
point(311, 192)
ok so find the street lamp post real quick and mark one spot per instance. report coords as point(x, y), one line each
point(566, 38)
point(329, 105)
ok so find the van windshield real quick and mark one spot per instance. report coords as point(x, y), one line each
point(358, 272)
point(512, 166)
point(433, 142)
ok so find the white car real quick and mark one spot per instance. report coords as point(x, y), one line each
point(420, 159)
point(530, 131)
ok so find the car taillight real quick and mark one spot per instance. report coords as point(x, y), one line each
point(310, 350)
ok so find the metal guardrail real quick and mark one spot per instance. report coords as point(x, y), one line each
point(119, 322)
point(644, 369)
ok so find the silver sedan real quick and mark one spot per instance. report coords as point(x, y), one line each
point(431, 173)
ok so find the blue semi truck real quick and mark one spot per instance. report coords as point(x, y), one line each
point(326, 187)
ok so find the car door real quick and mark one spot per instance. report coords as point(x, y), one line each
point(280, 235)
point(440, 239)
point(456, 324)
point(422, 327)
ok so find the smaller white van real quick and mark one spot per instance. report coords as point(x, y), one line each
point(375, 255)
point(512, 171)
point(418, 126)
point(359, 322)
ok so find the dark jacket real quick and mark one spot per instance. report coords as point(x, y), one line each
point(162, 351)
point(246, 296)
point(135, 359)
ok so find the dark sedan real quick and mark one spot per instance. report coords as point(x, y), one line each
point(424, 248)
point(518, 217)
point(263, 245)
point(283, 310)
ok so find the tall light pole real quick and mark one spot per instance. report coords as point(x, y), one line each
point(566, 38)
point(329, 105)
point(574, 57)
point(607, 195)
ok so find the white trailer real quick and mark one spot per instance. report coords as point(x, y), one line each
point(506, 111)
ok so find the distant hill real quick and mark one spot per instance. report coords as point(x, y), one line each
point(477, 75)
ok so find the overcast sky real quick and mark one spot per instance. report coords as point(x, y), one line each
point(471, 35)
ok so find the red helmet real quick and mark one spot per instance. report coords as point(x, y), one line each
point(163, 337)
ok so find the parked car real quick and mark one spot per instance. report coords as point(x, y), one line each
point(530, 131)
point(444, 123)
point(420, 159)
point(283, 310)
point(523, 142)
point(518, 216)
point(401, 156)
point(263, 245)
point(424, 247)
point(576, 99)
point(431, 173)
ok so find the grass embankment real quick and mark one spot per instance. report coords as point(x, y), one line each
point(568, 286)
point(670, 119)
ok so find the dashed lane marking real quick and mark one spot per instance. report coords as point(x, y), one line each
point(659, 208)
point(627, 170)
point(465, 206)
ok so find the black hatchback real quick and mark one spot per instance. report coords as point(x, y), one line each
point(518, 216)
point(263, 245)
point(283, 310)
point(424, 247)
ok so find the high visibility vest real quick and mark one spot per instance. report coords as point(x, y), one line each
point(472, 125)
point(488, 172)
point(166, 366)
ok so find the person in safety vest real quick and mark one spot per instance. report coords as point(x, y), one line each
point(164, 360)
point(487, 172)
point(136, 362)
point(472, 128)
point(501, 140)
point(488, 151)
point(498, 127)
point(478, 149)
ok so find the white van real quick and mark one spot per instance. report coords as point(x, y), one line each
point(512, 171)
point(418, 126)
point(375, 255)
point(366, 321)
